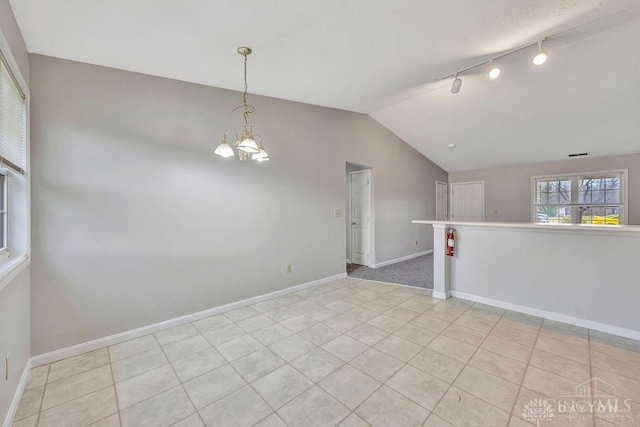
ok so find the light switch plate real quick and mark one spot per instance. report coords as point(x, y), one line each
point(337, 213)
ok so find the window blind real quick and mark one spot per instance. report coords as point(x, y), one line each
point(13, 121)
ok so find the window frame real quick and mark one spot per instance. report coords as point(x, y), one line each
point(4, 214)
point(624, 192)
point(18, 255)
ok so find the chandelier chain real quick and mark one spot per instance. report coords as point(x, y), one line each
point(248, 109)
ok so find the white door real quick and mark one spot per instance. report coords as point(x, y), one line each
point(361, 217)
point(441, 201)
point(467, 201)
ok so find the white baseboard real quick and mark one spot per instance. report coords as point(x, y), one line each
point(441, 295)
point(348, 261)
point(602, 327)
point(395, 284)
point(65, 353)
point(404, 258)
point(17, 396)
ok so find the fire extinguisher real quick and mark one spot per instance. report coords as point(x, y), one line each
point(450, 241)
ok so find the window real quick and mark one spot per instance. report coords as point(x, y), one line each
point(13, 120)
point(589, 198)
point(14, 228)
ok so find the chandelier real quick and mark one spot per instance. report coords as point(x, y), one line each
point(249, 144)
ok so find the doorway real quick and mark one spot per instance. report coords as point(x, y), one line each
point(467, 201)
point(359, 215)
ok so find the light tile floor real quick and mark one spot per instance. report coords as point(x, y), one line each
point(348, 353)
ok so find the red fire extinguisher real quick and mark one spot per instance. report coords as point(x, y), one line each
point(450, 241)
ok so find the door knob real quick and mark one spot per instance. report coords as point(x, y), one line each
point(353, 223)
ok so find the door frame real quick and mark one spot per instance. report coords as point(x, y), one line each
point(451, 185)
point(372, 246)
point(447, 185)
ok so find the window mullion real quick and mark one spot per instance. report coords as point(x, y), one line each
point(574, 199)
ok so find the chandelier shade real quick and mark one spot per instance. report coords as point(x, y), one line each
point(248, 145)
point(224, 150)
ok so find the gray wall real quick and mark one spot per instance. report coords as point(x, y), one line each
point(135, 220)
point(508, 189)
point(14, 297)
point(586, 275)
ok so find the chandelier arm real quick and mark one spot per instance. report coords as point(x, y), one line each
point(250, 107)
point(229, 131)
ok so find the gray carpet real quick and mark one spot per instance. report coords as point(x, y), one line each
point(414, 272)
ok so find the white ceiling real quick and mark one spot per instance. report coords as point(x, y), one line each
point(379, 57)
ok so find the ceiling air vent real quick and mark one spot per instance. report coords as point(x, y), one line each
point(578, 154)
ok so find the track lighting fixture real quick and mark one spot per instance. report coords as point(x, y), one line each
point(541, 57)
point(455, 86)
point(494, 71)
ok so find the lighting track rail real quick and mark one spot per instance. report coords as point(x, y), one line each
point(487, 62)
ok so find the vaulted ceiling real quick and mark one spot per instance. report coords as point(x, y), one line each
point(381, 57)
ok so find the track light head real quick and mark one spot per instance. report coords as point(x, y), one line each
point(541, 57)
point(494, 71)
point(455, 86)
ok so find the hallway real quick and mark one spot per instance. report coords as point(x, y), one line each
point(414, 272)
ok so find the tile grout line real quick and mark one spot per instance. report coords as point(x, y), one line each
point(288, 363)
point(545, 351)
point(247, 383)
point(451, 384)
point(392, 306)
point(524, 374)
point(404, 364)
point(40, 410)
point(44, 390)
point(68, 401)
point(617, 357)
point(177, 377)
point(115, 390)
point(316, 347)
point(212, 346)
point(320, 347)
point(591, 375)
point(364, 373)
point(437, 334)
point(80, 373)
point(344, 363)
point(273, 411)
point(109, 355)
point(467, 364)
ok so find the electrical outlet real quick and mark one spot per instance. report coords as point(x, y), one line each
point(495, 211)
point(288, 268)
point(337, 213)
point(7, 364)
